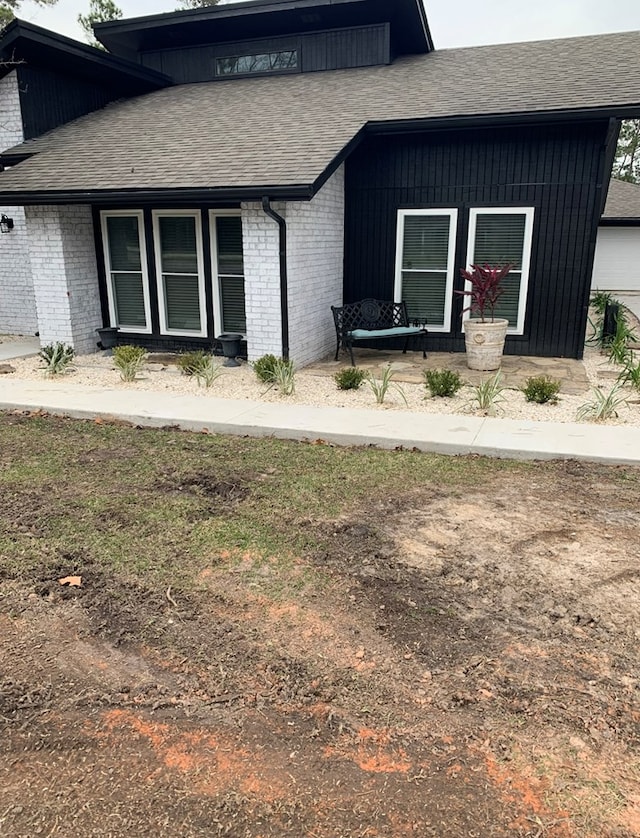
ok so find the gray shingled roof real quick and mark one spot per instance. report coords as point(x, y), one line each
point(286, 130)
point(623, 200)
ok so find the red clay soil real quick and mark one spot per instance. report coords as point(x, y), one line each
point(438, 684)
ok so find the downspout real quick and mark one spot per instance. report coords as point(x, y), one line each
point(284, 304)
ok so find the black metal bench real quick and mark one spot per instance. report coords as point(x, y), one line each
point(374, 320)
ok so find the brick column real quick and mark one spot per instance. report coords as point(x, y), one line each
point(64, 268)
point(261, 249)
point(315, 238)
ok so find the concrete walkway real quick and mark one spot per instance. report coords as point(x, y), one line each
point(18, 347)
point(387, 429)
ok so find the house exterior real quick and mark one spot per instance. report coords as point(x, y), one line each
point(616, 267)
point(241, 168)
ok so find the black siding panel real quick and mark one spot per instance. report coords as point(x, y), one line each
point(360, 47)
point(555, 169)
point(50, 98)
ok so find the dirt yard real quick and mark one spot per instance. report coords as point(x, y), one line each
point(275, 639)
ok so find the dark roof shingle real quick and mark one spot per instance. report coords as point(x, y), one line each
point(286, 130)
point(623, 200)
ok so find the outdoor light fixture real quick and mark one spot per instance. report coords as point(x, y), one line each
point(6, 223)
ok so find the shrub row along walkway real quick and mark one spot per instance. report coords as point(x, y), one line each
point(341, 426)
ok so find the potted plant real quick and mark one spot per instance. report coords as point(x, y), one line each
point(484, 335)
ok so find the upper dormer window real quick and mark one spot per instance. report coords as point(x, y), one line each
point(264, 62)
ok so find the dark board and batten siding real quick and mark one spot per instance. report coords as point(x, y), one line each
point(331, 50)
point(49, 98)
point(555, 169)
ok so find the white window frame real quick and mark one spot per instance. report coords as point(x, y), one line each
point(197, 215)
point(215, 276)
point(451, 254)
point(113, 316)
point(529, 213)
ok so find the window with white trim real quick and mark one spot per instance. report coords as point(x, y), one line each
point(179, 267)
point(227, 271)
point(425, 260)
point(500, 236)
point(126, 270)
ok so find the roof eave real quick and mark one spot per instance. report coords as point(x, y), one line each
point(20, 32)
point(178, 196)
point(401, 126)
point(619, 222)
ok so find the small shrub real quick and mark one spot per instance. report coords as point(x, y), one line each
point(129, 360)
point(349, 378)
point(602, 406)
point(630, 374)
point(190, 361)
point(201, 365)
point(618, 347)
point(380, 387)
point(57, 358)
point(541, 389)
point(265, 367)
point(283, 377)
point(488, 393)
point(442, 383)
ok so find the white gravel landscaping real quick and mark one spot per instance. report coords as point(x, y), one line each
point(315, 389)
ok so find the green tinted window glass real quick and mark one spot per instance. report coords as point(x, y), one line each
point(178, 246)
point(123, 242)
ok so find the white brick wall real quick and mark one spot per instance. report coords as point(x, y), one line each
point(17, 301)
point(315, 234)
point(261, 248)
point(63, 264)
point(315, 238)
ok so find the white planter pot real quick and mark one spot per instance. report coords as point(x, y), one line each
point(485, 343)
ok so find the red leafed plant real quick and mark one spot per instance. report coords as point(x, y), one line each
point(486, 288)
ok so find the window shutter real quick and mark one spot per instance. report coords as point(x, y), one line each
point(231, 273)
point(182, 302)
point(127, 281)
point(129, 300)
point(424, 294)
point(500, 241)
point(425, 257)
point(229, 238)
point(232, 298)
point(507, 305)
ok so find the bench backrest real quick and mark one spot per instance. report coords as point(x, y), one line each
point(369, 314)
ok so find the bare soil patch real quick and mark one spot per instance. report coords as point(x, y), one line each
point(434, 657)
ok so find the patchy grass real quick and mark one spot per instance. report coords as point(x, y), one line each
point(167, 503)
point(275, 640)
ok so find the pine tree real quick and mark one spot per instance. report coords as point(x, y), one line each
point(197, 4)
point(8, 9)
point(627, 160)
point(100, 11)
